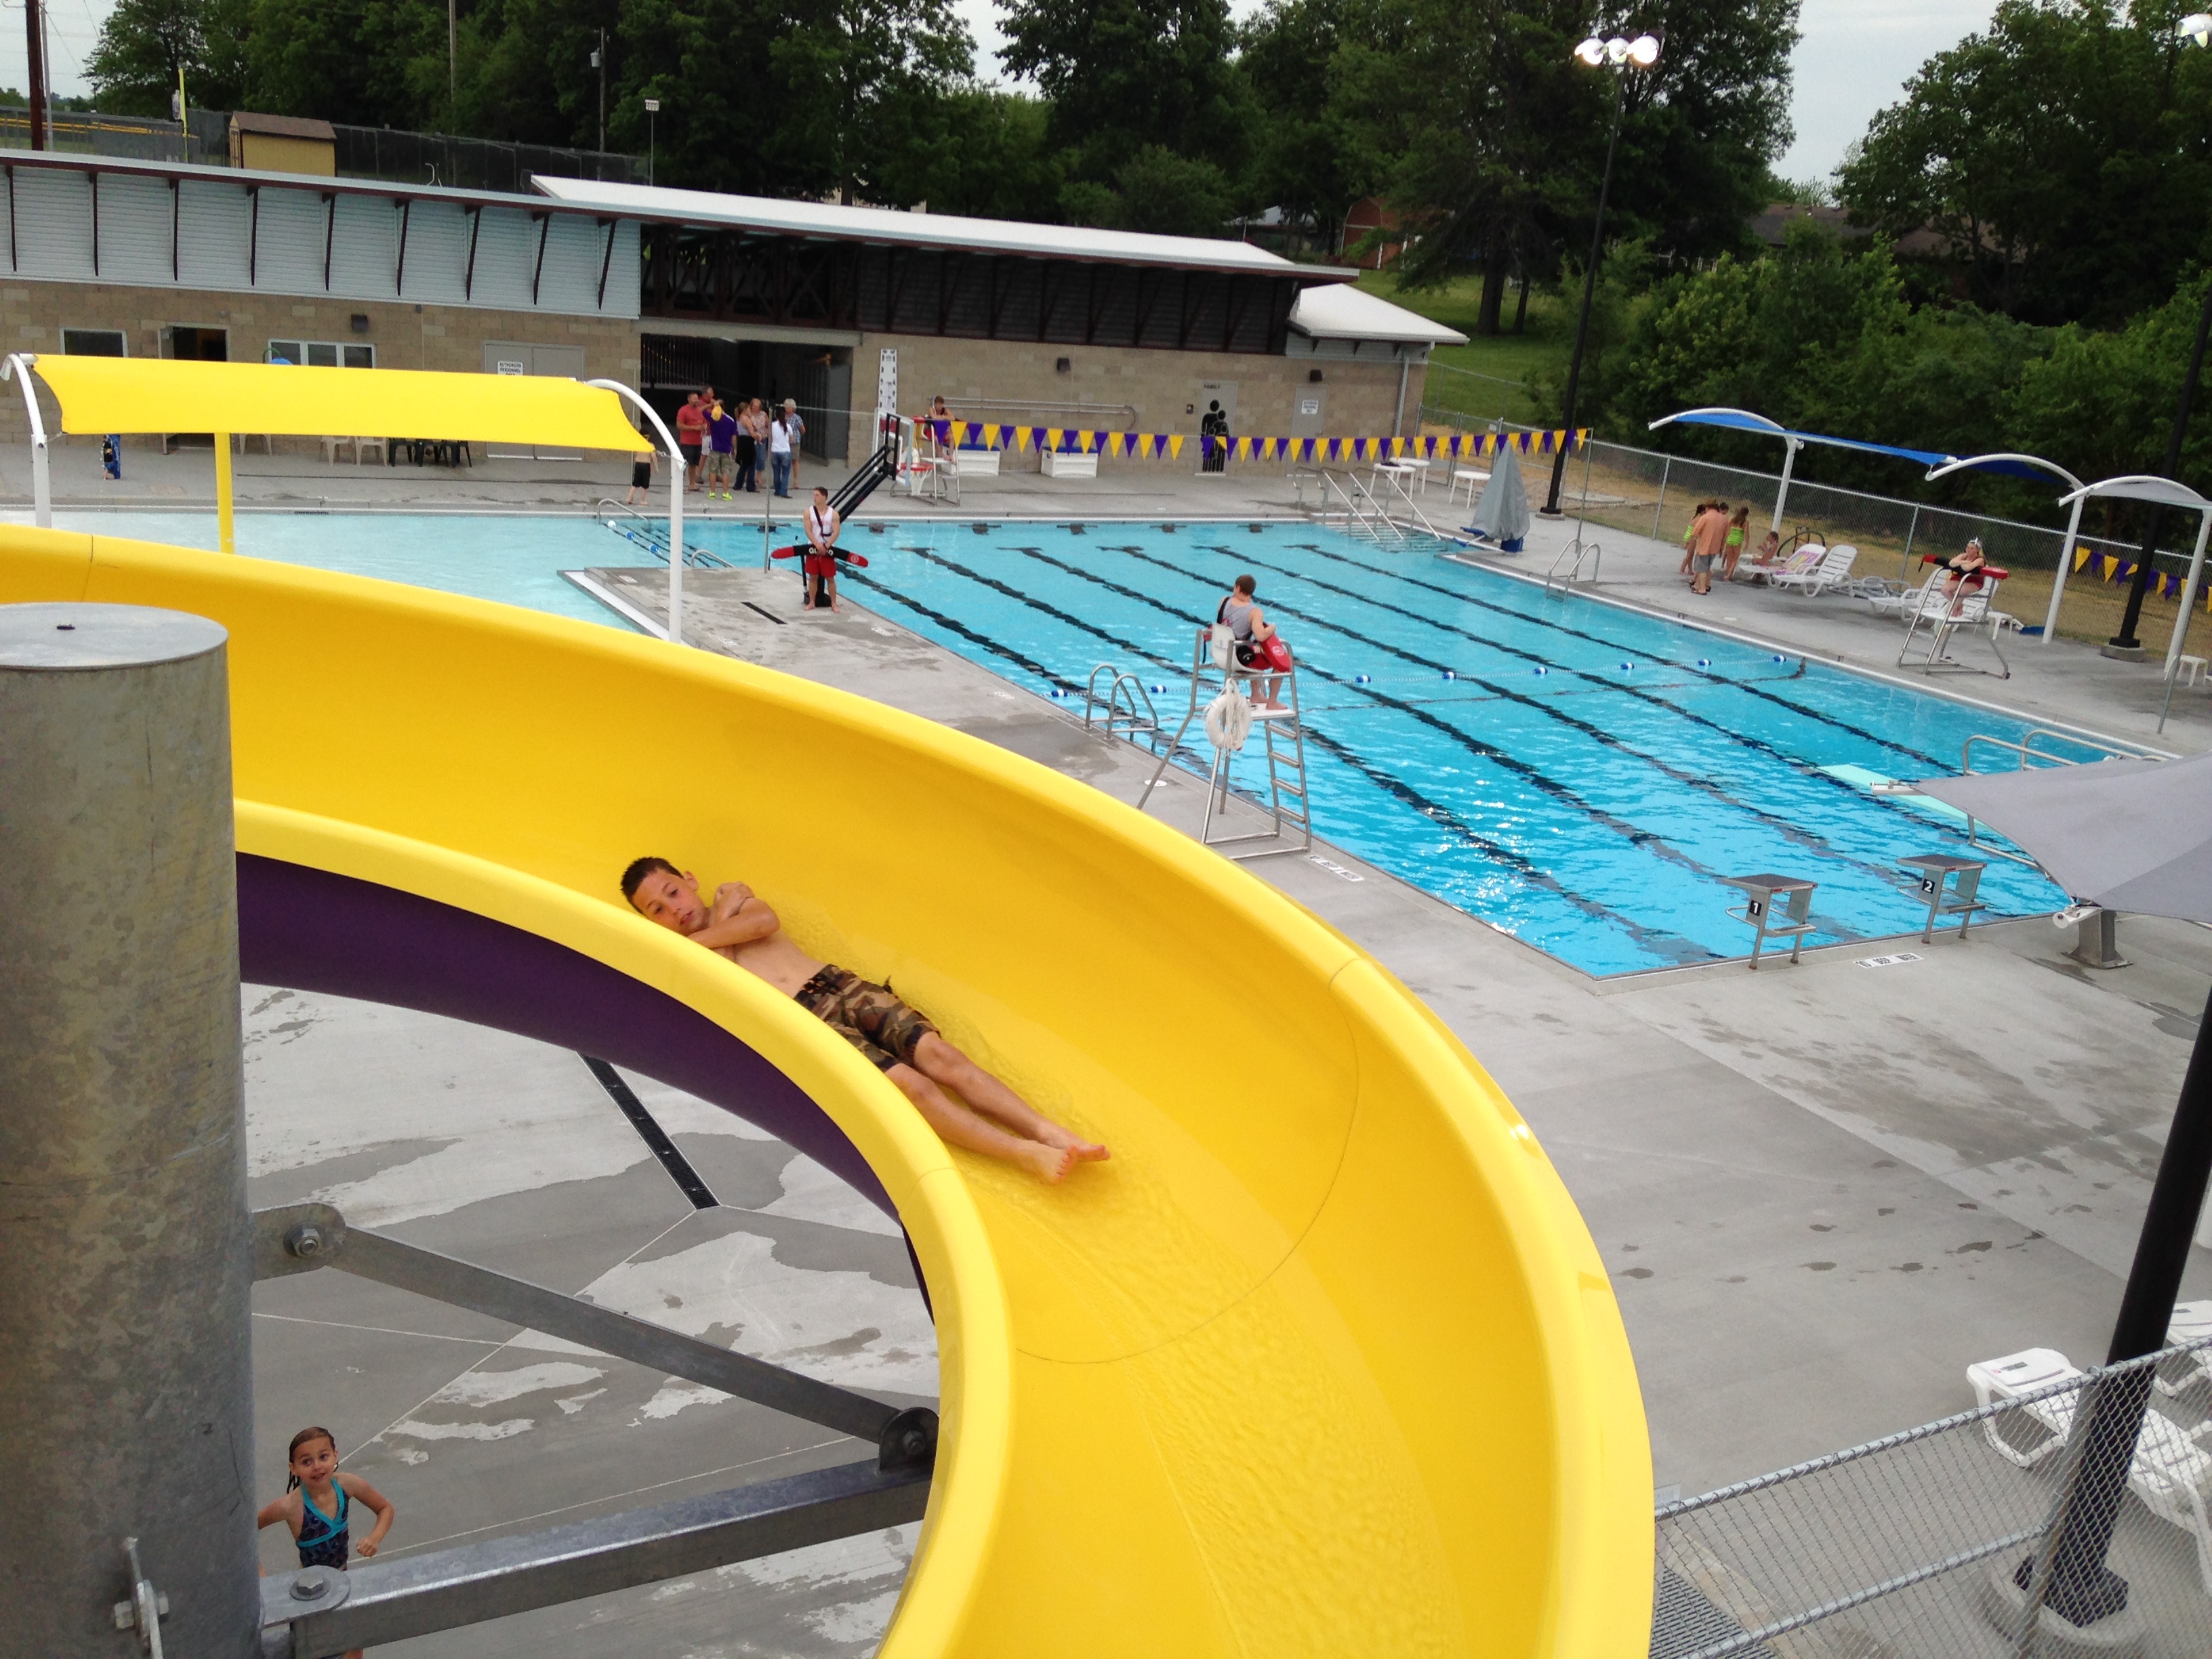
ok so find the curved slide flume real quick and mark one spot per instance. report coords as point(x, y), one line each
point(1324, 1361)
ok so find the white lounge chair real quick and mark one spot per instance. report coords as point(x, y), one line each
point(2168, 1473)
point(1905, 602)
point(1793, 564)
point(2191, 1323)
point(1833, 570)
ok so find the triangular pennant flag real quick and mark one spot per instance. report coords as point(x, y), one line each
point(1175, 445)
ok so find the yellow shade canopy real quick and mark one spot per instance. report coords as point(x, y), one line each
point(142, 394)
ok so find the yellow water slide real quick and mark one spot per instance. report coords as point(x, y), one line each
point(1324, 1361)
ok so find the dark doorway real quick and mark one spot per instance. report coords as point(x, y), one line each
point(204, 345)
point(193, 344)
point(820, 377)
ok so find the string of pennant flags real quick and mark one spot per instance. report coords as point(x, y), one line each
point(2112, 567)
point(1153, 445)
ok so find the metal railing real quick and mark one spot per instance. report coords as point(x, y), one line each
point(1126, 709)
point(1945, 1540)
point(1572, 555)
point(315, 1610)
point(643, 530)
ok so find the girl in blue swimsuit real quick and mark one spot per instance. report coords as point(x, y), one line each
point(318, 1505)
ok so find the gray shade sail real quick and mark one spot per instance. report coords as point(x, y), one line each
point(2124, 834)
point(1502, 513)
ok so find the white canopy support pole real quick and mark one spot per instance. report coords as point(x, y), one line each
point(226, 521)
point(1790, 446)
point(2181, 621)
point(2065, 564)
point(18, 368)
point(2189, 590)
point(675, 505)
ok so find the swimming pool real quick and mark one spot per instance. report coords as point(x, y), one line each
point(1578, 776)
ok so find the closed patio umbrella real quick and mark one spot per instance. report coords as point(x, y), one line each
point(1501, 514)
point(2133, 835)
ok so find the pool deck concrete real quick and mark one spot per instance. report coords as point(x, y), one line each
point(1823, 1190)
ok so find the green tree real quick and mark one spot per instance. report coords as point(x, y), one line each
point(1122, 74)
point(2065, 156)
point(1307, 158)
point(144, 44)
point(1498, 135)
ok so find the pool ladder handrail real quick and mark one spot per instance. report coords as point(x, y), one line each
point(1123, 717)
point(1283, 746)
point(1405, 496)
point(1362, 517)
point(648, 535)
point(1594, 552)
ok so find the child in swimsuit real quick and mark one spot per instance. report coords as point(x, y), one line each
point(318, 1505)
point(987, 1117)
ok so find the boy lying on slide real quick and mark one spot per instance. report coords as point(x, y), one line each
point(891, 1037)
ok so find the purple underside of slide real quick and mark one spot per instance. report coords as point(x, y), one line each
point(314, 931)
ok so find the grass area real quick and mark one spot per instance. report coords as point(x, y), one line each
point(1486, 378)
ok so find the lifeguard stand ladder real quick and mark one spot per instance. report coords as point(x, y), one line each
point(1283, 747)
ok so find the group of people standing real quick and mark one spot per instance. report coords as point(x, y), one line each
point(727, 447)
point(1717, 536)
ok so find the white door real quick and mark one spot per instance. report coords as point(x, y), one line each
point(518, 357)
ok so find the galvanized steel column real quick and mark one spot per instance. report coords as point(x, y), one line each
point(125, 1376)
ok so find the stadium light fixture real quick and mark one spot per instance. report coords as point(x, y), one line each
point(1622, 53)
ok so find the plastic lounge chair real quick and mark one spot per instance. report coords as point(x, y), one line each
point(1833, 570)
point(2191, 1323)
point(1905, 602)
point(2168, 1472)
point(1797, 564)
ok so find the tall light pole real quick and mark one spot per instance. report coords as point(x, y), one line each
point(2124, 644)
point(599, 62)
point(1622, 54)
point(652, 112)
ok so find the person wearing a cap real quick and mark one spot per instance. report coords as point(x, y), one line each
point(796, 427)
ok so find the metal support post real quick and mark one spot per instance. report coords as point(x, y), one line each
point(2082, 1589)
point(226, 526)
point(18, 368)
point(2065, 564)
point(1789, 448)
point(675, 493)
point(126, 1382)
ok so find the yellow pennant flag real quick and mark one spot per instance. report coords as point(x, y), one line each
point(1174, 446)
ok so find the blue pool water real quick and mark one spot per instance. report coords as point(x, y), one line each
point(1580, 777)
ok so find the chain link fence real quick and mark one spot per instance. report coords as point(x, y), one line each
point(1645, 493)
point(413, 158)
point(1982, 1536)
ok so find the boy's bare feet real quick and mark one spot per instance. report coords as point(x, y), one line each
point(1050, 1165)
point(1086, 1151)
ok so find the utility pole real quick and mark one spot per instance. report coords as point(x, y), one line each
point(35, 19)
point(452, 64)
point(599, 62)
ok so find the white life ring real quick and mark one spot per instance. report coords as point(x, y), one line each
point(1229, 721)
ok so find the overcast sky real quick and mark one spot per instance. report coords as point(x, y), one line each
point(1854, 56)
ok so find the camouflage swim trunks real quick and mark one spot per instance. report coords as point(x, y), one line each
point(868, 1016)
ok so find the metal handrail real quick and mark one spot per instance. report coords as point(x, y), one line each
point(1593, 550)
point(1126, 412)
point(1123, 719)
point(1361, 515)
point(651, 537)
point(2026, 751)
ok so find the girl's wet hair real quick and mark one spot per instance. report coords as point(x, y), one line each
point(306, 1438)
